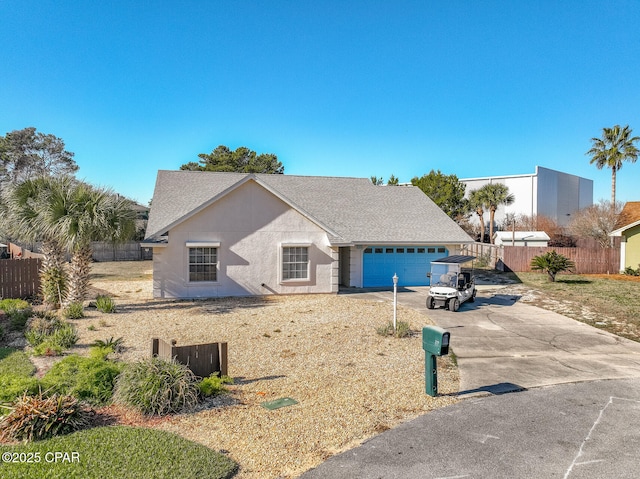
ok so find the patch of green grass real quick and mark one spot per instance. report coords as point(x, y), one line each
point(121, 452)
point(15, 362)
point(605, 297)
point(16, 375)
point(90, 379)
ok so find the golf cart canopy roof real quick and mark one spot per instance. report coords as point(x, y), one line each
point(455, 259)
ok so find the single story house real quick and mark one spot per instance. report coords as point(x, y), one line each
point(628, 228)
point(237, 234)
point(521, 238)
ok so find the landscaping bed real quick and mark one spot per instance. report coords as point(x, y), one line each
point(323, 351)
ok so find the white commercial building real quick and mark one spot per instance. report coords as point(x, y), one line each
point(546, 192)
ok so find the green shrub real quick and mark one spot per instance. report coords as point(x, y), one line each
point(13, 386)
point(74, 310)
point(47, 348)
point(402, 329)
point(18, 318)
point(105, 304)
point(9, 303)
point(632, 272)
point(114, 344)
point(39, 417)
point(155, 386)
point(18, 311)
point(214, 385)
point(89, 379)
point(1, 333)
point(53, 344)
point(41, 326)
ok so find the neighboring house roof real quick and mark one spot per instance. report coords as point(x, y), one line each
point(351, 210)
point(628, 218)
point(522, 235)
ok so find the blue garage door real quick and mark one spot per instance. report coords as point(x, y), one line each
point(410, 263)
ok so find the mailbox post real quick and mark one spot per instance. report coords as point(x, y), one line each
point(435, 342)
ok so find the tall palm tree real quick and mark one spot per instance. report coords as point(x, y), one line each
point(477, 201)
point(615, 147)
point(494, 195)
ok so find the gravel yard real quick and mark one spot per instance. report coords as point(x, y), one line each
point(321, 350)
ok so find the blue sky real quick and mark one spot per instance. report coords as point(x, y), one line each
point(335, 88)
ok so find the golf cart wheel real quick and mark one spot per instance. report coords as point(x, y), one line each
point(431, 303)
point(473, 296)
point(454, 305)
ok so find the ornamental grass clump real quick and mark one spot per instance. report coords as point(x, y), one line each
point(155, 386)
point(105, 304)
point(403, 329)
point(51, 337)
point(74, 310)
point(39, 417)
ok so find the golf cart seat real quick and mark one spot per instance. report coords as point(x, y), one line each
point(463, 280)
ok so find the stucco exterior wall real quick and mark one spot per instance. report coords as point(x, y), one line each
point(251, 225)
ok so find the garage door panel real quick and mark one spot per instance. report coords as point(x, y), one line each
point(410, 263)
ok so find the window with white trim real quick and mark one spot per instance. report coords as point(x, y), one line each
point(295, 263)
point(203, 264)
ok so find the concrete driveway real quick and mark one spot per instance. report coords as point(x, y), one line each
point(583, 424)
point(502, 344)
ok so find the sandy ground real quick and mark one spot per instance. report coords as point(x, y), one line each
point(323, 351)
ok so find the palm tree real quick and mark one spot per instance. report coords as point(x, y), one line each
point(477, 201)
point(80, 213)
point(68, 214)
point(614, 148)
point(552, 263)
point(23, 204)
point(494, 195)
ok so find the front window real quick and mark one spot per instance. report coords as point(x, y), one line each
point(295, 262)
point(203, 264)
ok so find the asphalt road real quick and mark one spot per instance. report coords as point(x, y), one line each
point(546, 397)
point(583, 430)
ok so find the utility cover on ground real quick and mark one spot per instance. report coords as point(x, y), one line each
point(278, 403)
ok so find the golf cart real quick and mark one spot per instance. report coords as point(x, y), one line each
point(450, 287)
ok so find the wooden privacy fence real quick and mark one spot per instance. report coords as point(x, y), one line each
point(587, 260)
point(488, 253)
point(19, 278)
point(202, 359)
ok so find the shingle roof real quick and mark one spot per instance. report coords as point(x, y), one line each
point(351, 210)
point(629, 214)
